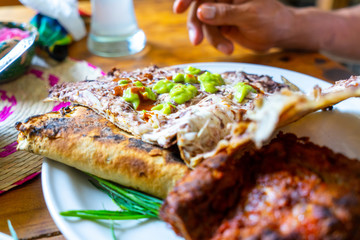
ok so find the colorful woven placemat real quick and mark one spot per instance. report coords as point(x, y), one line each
point(23, 98)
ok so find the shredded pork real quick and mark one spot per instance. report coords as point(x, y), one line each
point(196, 126)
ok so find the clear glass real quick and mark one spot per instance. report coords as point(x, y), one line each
point(114, 31)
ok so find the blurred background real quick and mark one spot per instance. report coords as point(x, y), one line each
point(323, 4)
point(16, 2)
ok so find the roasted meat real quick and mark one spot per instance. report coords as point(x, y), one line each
point(289, 189)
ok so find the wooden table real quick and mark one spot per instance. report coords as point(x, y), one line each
point(167, 44)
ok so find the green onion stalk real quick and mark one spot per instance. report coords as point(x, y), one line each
point(132, 204)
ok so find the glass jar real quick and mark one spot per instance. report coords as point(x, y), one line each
point(114, 31)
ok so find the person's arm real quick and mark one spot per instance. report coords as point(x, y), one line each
point(262, 24)
point(336, 32)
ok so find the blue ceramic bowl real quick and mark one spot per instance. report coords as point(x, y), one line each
point(20, 65)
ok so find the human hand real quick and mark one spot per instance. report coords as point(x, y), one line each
point(255, 24)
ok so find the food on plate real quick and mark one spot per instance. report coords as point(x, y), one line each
point(281, 109)
point(191, 108)
point(167, 106)
point(209, 114)
point(136, 128)
point(80, 138)
point(288, 189)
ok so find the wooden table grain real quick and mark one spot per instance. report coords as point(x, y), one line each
point(167, 44)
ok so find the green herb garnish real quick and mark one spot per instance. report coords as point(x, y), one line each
point(131, 97)
point(132, 204)
point(192, 70)
point(123, 82)
point(181, 93)
point(165, 108)
point(178, 78)
point(209, 81)
point(163, 86)
point(242, 90)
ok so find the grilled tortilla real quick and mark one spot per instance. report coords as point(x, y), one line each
point(279, 110)
point(78, 137)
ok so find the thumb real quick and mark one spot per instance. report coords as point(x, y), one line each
point(219, 13)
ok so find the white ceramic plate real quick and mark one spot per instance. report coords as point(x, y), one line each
point(68, 189)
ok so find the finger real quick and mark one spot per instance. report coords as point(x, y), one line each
point(235, 35)
point(215, 38)
point(220, 13)
point(213, 34)
point(180, 6)
point(197, 30)
point(194, 25)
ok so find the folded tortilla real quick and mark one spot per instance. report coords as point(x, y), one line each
point(279, 110)
point(78, 137)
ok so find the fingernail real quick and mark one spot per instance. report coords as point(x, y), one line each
point(207, 12)
point(192, 35)
point(176, 6)
point(223, 47)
